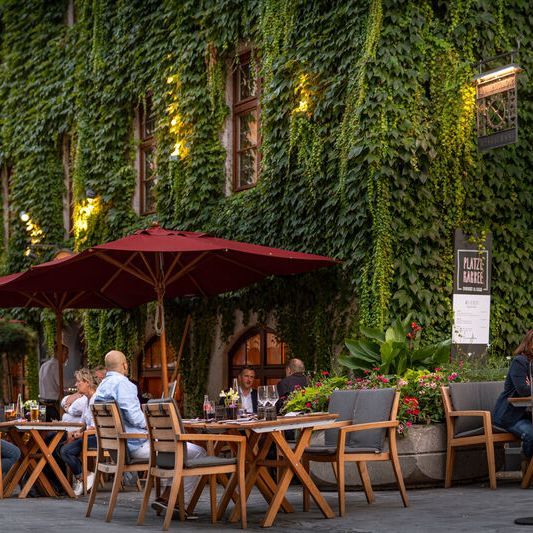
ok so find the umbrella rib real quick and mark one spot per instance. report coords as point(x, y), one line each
point(169, 271)
point(132, 271)
point(148, 267)
point(115, 275)
point(200, 290)
point(34, 298)
point(185, 270)
point(242, 266)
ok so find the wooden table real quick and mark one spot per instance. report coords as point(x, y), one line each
point(36, 454)
point(257, 450)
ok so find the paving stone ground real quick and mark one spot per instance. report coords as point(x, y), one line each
point(466, 508)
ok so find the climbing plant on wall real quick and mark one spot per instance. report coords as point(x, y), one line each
point(368, 152)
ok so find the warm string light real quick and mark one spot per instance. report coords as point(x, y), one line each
point(83, 211)
point(34, 231)
point(178, 129)
point(303, 93)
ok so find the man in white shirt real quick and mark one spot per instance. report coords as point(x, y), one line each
point(116, 386)
point(247, 393)
point(49, 392)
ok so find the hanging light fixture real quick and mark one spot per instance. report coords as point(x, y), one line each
point(496, 104)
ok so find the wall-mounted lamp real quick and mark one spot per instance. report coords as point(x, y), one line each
point(24, 216)
point(496, 104)
point(497, 73)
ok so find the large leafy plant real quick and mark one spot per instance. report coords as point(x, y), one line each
point(395, 350)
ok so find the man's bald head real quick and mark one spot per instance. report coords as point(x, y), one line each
point(295, 366)
point(116, 361)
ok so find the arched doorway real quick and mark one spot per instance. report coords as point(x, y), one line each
point(149, 367)
point(261, 349)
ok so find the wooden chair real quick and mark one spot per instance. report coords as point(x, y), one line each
point(467, 407)
point(1, 475)
point(87, 454)
point(169, 460)
point(360, 440)
point(112, 440)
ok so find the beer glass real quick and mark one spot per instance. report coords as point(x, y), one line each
point(9, 411)
point(34, 412)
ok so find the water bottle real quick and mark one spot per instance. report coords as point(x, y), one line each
point(19, 411)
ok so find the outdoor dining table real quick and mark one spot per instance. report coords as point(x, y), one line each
point(36, 453)
point(257, 449)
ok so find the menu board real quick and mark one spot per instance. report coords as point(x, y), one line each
point(471, 319)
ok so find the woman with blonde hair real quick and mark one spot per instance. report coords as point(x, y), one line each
point(86, 383)
point(517, 420)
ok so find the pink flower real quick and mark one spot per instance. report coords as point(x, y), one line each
point(325, 373)
point(408, 424)
point(453, 376)
point(308, 405)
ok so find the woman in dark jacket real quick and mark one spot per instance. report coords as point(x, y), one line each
point(517, 420)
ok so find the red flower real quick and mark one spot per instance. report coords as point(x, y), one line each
point(325, 373)
point(414, 325)
point(308, 405)
point(376, 369)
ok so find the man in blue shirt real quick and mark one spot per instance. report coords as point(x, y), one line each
point(117, 387)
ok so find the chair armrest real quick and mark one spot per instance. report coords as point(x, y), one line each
point(218, 437)
point(89, 432)
point(333, 425)
point(369, 425)
point(468, 413)
point(133, 435)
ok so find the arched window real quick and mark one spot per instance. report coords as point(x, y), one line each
point(261, 349)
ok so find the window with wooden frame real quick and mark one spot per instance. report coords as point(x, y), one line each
point(245, 114)
point(147, 162)
point(262, 350)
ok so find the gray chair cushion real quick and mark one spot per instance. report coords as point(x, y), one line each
point(166, 460)
point(479, 431)
point(332, 450)
point(473, 396)
point(371, 405)
point(341, 403)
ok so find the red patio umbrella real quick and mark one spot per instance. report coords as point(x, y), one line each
point(157, 263)
point(56, 299)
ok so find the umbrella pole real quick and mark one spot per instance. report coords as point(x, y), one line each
point(59, 351)
point(164, 368)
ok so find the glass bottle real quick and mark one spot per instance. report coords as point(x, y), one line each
point(19, 411)
point(206, 407)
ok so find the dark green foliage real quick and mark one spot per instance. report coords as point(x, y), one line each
point(378, 170)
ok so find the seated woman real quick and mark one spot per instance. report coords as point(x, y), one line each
point(517, 420)
point(73, 406)
point(9, 454)
point(86, 383)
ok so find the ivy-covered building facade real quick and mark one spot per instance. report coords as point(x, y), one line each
point(340, 128)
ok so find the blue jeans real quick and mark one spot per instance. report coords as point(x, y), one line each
point(70, 453)
point(524, 429)
point(10, 455)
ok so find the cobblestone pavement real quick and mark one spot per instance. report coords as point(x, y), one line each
point(460, 509)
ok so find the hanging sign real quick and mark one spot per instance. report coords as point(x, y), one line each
point(471, 295)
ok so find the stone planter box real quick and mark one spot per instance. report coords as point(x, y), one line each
point(423, 459)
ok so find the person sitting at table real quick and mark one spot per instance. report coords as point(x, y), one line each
point(117, 387)
point(9, 454)
point(73, 406)
point(294, 378)
point(517, 420)
point(248, 395)
point(70, 453)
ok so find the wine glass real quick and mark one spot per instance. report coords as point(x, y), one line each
point(273, 394)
